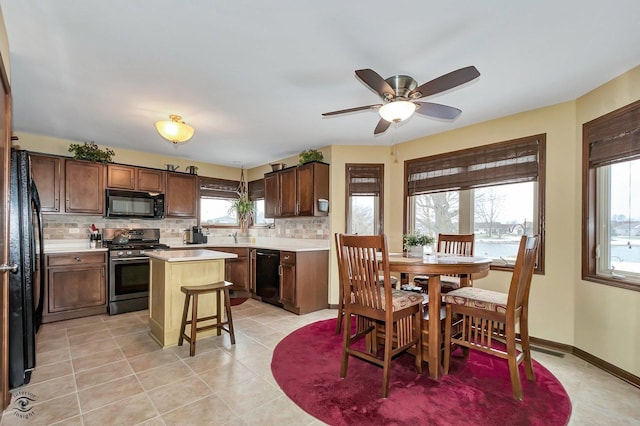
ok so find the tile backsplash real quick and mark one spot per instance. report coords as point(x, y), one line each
point(76, 227)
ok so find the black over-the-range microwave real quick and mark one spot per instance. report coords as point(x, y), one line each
point(134, 204)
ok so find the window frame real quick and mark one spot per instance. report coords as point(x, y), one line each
point(471, 179)
point(605, 141)
point(371, 170)
point(216, 188)
point(256, 192)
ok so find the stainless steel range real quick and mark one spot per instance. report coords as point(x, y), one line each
point(128, 279)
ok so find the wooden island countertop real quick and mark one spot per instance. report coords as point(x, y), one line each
point(170, 270)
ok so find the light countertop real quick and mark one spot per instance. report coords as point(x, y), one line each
point(189, 255)
point(283, 244)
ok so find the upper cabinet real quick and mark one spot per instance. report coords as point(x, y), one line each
point(295, 191)
point(135, 178)
point(46, 172)
point(181, 195)
point(84, 187)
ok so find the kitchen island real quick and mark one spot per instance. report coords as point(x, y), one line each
point(170, 270)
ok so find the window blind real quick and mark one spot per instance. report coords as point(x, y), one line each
point(364, 179)
point(615, 137)
point(256, 189)
point(218, 188)
point(502, 163)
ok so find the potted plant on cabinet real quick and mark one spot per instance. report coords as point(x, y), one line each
point(415, 243)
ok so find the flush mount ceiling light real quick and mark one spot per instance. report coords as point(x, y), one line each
point(174, 130)
point(397, 111)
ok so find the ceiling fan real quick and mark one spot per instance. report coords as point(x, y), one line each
point(399, 94)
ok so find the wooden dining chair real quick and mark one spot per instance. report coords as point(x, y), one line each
point(341, 293)
point(364, 260)
point(487, 315)
point(451, 244)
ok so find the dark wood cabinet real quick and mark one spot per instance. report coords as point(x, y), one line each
point(84, 187)
point(312, 185)
point(237, 270)
point(135, 178)
point(75, 285)
point(151, 180)
point(181, 195)
point(295, 191)
point(288, 279)
point(47, 175)
point(304, 281)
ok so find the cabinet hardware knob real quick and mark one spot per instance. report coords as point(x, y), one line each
point(9, 268)
point(77, 259)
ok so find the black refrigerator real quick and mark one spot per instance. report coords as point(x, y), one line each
point(26, 285)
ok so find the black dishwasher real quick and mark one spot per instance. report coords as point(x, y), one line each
point(267, 276)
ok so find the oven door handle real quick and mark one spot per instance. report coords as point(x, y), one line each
point(126, 259)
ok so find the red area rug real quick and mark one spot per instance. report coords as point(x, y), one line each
point(235, 301)
point(306, 365)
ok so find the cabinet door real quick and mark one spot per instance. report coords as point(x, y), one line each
point(181, 196)
point(288, 285)
point(123, 177)
point(288, 204)
point(151, 180)
point(236, 271)
point(252, 271)
point(313, 184)
point(84, 187)
point(74, 288)
point(271, 196)
point(46, 171)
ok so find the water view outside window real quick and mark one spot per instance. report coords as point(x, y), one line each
point(217, 211)
point(618, 238)
point(497, 215)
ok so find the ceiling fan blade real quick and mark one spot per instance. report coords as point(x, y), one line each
point(382, 126)
point(437, 110)
point(445, 82)
point(344, 111)
point(377, 83)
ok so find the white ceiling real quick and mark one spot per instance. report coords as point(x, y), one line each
point(253, 77)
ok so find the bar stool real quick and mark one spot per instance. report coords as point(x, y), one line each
point(221, 288)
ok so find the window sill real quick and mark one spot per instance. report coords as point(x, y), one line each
point(628, 285)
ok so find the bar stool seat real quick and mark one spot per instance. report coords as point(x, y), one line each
point(221, 289)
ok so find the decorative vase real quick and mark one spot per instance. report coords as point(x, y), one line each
point(416, 251)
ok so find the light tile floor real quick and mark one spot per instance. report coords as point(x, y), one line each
point(106, 370)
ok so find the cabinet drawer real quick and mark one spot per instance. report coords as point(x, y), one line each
point(75, 259)
point(288, 257)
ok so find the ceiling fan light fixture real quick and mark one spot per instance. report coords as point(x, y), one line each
point(397, 111)
point(174, 130)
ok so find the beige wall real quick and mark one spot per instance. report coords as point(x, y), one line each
point(607, 318)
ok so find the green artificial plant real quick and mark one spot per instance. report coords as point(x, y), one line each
point(309, 156)
point(415, 238)
point(92, 152)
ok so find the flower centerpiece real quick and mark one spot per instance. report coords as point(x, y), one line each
point(415, 241)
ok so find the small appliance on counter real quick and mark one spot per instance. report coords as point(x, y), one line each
point(195, 236)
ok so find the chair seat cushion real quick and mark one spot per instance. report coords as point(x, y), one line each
point(403, 299)
point(447, 283)
point(478, 298)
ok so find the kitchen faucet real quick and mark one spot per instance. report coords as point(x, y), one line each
point(235, 237)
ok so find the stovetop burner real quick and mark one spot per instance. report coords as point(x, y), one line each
point(140, 246)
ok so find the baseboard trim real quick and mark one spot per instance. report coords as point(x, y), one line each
point(593, 360)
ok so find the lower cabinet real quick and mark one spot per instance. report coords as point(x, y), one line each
point(237, 270)
point(304, 280)
point(75, 285)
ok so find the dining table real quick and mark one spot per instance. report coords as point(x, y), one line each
point(434, 265)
